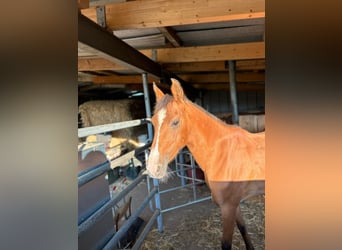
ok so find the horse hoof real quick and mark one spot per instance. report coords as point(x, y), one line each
point(226, 246)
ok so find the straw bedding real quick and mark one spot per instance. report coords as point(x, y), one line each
point(199, 226)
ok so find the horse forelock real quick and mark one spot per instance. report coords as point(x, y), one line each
point(162, 103)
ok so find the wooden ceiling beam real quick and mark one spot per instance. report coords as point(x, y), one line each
point(223, 77)
point(208, 86)
point(235, 51)
point(161, 13)
point(97, 64)
point(245, 65)
point(225, 86)
point(238, 51)
point(250, 65)
point(84, 77)
point(246, 77)
point(171, 36)
point(94, 64)
point(196, 66)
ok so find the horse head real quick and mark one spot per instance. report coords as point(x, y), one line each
point(170, 130)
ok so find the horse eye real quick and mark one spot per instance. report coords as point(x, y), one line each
point(175, 123)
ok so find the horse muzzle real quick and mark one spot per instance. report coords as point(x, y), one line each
point(156, 168)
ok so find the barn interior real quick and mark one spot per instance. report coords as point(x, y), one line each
point(216, 50)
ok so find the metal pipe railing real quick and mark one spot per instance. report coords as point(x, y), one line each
point(180, 172)
point(83, 132)
point(180, 159)
point(158, 205)
point(108, 205)
point(193, 173)
point(125, 159)
point(118, 235)
point(186, 204)
point(233, 91)
point(89, 175)
point(175, 188)
point(146, 230)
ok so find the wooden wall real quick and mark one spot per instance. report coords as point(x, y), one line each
point(218, 102)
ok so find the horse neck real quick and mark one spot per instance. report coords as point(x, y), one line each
point(203, 130)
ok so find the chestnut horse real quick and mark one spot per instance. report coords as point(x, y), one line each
point(232, 159)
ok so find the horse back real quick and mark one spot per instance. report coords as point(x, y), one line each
point(237, 156)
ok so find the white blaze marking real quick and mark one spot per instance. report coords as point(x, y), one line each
point(153, 164)
point(161, 117)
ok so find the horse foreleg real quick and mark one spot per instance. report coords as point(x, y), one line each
point(243, 230)
point(228, 213)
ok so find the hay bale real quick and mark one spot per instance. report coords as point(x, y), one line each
point(102, 112)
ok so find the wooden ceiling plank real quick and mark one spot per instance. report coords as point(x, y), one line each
point(84, 77)
point(241, 87)
point(250, 64)
point(208, 78)
point(225, 86)
point(245, 65)
point(96, 64)
point(196, 66)
point(159, 13)
point(240, 51)
point(223, 77)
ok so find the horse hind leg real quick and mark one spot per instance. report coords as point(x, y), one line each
point(242, 228)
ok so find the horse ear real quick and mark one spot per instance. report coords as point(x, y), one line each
point(176, 90)
point(159, 94)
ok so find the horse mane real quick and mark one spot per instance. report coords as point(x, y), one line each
point(213, 116)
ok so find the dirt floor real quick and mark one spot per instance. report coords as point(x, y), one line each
point(196, 226)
